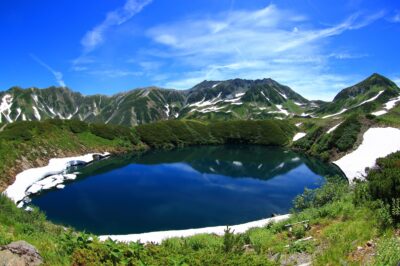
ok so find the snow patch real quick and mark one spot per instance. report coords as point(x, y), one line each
point(18, 113)
point(265, 96)
point(341, 112)
point(281, 110)
point(333, 128)
point(5, 107)
point(299, 136)
point(379, 113)
point(36, 113)
point(370, 100)
point(377, 143)
point(158, 237)
point(35, 179)
point(389, 105)
point(283, 95)
point(167, 111)
point(237, 163)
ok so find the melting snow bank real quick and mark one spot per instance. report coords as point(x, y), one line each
point(389, 105)
point(34, 180)
point(377, 142)
point(299, 136)
point(158, 237)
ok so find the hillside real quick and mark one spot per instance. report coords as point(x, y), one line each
point(365, 97)
point(25, 145)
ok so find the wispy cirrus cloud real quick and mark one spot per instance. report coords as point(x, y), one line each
point(95, 37)
point(269, 42)
point(57, 75)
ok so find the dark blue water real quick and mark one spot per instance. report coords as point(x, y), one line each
point(183, 188)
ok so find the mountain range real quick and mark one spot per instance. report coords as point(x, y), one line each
point(219, 100)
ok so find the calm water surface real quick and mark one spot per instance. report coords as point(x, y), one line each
point(183, 188)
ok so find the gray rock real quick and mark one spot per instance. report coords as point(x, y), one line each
point(19, 253)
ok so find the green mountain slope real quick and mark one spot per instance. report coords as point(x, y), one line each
point(365, 97)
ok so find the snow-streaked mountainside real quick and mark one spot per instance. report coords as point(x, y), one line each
point(374, 94)
point(230, 99)
point(130, 108)
point(223, 99)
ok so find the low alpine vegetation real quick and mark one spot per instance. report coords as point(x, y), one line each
point(189, 132)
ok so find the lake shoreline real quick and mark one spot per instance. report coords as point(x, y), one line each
point(56, 166)
point(159, 236)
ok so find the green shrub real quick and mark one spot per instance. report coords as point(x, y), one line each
point(384, 184)
point(103, 131)
point(345, 136)
point(298, 231)
point(231, 242)
point(332, 191)
point(19, 131)
point(77, 126)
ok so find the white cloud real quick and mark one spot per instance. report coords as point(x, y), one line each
point(270, 42)
point(96, 36)
point(57, 75)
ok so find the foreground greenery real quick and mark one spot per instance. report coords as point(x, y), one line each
point(339, 225)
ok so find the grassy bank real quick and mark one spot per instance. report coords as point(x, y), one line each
point(25, 145)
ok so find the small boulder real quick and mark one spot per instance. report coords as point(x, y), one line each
point(19, 253)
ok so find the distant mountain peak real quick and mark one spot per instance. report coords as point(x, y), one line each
point(372, 82)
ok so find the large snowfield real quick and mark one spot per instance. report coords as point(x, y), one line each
point(377, 143)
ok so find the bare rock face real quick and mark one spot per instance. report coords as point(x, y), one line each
point(19, 253)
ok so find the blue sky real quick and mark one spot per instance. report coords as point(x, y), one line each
point(102, 46)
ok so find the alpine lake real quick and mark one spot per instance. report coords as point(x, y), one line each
point(183, 188)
